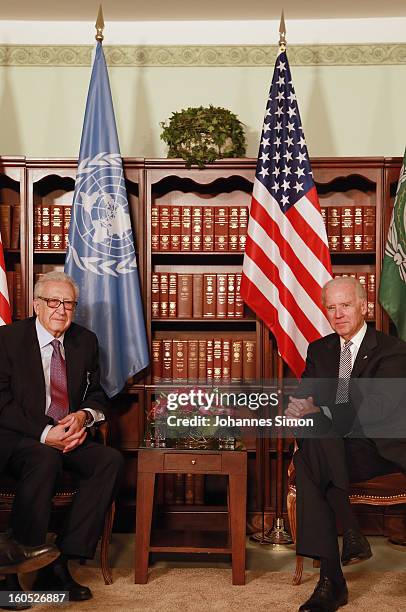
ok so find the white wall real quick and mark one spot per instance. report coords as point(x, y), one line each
point(350, 110)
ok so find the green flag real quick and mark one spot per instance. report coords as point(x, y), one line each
point(392, 290)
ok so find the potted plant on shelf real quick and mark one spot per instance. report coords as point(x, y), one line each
point(200, 135)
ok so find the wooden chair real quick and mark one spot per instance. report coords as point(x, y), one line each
point(388, 490)
point(63, 497)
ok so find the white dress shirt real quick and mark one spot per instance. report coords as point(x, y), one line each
point(46, 349)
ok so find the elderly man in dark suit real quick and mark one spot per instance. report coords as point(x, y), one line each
point(49, 395)
point(354, 405)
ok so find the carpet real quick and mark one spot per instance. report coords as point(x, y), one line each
point(210, 590)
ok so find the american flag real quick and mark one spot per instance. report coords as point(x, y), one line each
point(5, 314)
point(287, 260)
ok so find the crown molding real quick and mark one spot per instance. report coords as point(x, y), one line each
point(203, 55)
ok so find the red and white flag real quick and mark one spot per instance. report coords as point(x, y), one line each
point(287, 259)
point(5, 313)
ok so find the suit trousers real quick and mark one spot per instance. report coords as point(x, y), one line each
point(321, 463)
point(36, 466)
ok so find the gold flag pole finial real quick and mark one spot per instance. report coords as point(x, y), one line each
point(282, 32)
point(99, 25)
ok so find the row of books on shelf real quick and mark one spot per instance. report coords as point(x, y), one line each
point(203, 360)
point(367, 280)
point(182, 489)
point(51, 227)
point(350, 228)
point(198, 228)
point(10, 226)
point(186, 296)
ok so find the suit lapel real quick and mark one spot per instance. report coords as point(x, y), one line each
point(34, 373)
point(368, 345)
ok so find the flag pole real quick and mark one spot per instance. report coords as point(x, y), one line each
point(99, 25)
point(278, 536)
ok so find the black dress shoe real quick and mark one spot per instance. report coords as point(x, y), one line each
point(327, 597)
point(56, 577)
point(356, 547)
point(16, 558)
point(11, 583)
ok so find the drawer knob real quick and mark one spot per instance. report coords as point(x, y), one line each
point(193, 461)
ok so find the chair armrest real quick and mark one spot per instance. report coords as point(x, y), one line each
point(100, 432)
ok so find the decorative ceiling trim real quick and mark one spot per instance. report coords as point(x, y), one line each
point(203, 55)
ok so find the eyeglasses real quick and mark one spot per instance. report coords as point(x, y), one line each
point(55, 303)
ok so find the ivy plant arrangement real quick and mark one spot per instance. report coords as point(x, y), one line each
point(200, 135)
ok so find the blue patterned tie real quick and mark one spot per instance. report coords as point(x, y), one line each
point(59, 407)
point(344, 373)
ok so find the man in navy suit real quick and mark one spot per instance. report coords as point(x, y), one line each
point(353, 388)
point(49, 395)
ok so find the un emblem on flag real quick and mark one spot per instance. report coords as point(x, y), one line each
point(102, 233)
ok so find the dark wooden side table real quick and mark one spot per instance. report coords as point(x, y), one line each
point(152, 461)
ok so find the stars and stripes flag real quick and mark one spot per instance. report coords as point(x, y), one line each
point(5, 313)
point(287, 260)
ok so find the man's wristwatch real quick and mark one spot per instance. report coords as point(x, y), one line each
point(89, 419)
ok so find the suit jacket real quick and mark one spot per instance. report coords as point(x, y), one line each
point(377, 390)
point(22, 384)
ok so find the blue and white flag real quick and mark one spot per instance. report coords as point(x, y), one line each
point(101, 256)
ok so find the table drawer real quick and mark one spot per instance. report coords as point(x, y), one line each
point(190, 462)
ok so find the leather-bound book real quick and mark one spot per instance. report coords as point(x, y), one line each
point(15, 227)
point(185, 296)
point(208, 228)
point(56, 227)
point(209, 296)
point(193, 360)
point(371, 295)
point(155, 288)
point(217, 359)
point(369, 228)
point(239, 304)
point(167, 360)
point(186, 229)
point(157, 360)
point(249, 360)
point(221, 228)
point(5, 224)
point(46, 227)
point(179, 489)
point(347, 228)
point(221, 296)
point(179, 360)
point(197, 308)
point(226, 360)
point(236, 361)
point(165, 228)
point(230, 296)
point(334, 228)
point(197, 236)
point(37, 227)
point(358, 227)
point(154, 228)
point(175, 225)
point(242, 227)
point(163, 295)
point(169, 489)
point(173, 295)
point(202, 361)
point(233, 228)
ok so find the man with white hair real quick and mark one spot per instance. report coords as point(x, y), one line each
point(50, 395)
point(357, 407)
